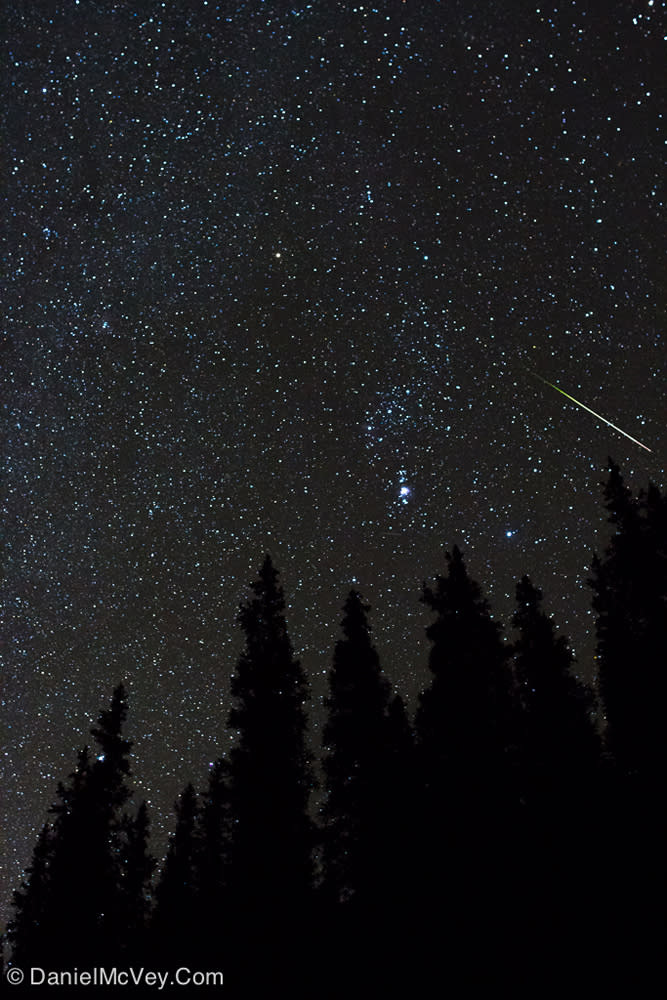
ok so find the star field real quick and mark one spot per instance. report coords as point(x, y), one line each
point(276, 278)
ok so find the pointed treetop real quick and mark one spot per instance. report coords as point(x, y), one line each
point(111, 720)
point(355, 622)
point(262, 616)
point(538, 632)
point(457, 593)
point(114, 749)
point(268, 604)
point(356, 664)
point(527, 594)
point(267, 663)
point(619, 500)
point(186, 803)
point(268, 572)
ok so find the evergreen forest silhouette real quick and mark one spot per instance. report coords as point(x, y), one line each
point(495, 840)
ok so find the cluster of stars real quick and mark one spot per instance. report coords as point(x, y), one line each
point(276, 279)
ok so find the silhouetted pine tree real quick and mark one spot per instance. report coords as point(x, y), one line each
point(401, 783)
point(270, 778)
point(78, 849)
point(401, 895)
point(77, 887)
point(26, 932)
point(367, 817)
point(110, 793)
point(134, 900)
point(465, 728)
point(559, 746)
point(559, 758)
point(356, 809)
point(193, 913)
point(630, 597)
point(215, 840)
point(175, 924)
point(464, 721)
point(365, 814)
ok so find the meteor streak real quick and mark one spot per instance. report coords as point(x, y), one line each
point(588, 409)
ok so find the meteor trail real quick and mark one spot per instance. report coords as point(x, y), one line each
point(588, 409)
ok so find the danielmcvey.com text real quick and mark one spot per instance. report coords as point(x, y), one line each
point(115, 977)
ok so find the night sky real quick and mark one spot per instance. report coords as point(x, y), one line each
point(281, 278)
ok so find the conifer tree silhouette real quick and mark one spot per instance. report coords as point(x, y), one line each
point(559, 745)
point(466, 741)
point(271, 866)
point(629, 584)
point(367, 812)
point(630, 598)
point(27, 931)
point(402, 796)
point(214, 854)
point(558, 773)
point(175, 923)
point(76, 884)
point(137, 866)
point(356, 810)
point(464, 721)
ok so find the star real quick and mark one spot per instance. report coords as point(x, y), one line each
point(175, 402)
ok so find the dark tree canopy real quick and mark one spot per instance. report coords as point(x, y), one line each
point(464, 718)
point(215, 833)
point(80, 880)
point(176, 894)
point(630, 598)
point(27, 930)
point(270, 774)
point(476, 841)
point(357, 761)
point(558, 739)
point(137, 867)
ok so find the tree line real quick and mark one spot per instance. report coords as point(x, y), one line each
point(496, 838)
